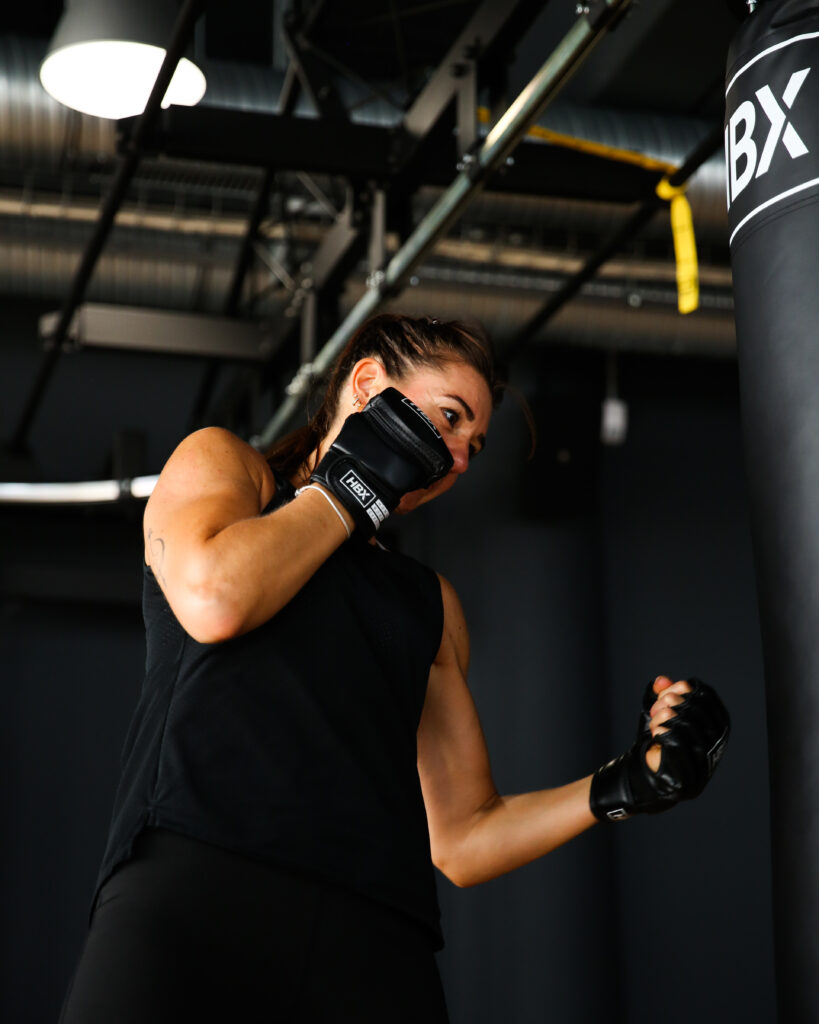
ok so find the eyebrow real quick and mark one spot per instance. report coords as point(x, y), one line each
point(470, 415)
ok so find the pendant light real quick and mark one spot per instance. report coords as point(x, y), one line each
point(105, 56)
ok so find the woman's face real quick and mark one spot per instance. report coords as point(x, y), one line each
point(458, 401)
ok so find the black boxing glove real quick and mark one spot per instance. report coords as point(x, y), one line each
point(691, 748)
point(695, 738)
point(382, 453)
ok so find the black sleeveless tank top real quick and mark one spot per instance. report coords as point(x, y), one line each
point(296, 742)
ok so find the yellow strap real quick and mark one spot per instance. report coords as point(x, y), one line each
point(665, 190)
point(685, 246)
point(682, 223)
point(626, 156)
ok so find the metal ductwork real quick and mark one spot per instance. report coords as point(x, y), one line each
point(36, 132)
point(605, 318)
point(178, 257)
point(139, 268)
point(170, 271)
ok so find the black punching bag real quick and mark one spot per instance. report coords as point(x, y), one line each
point(772, 156)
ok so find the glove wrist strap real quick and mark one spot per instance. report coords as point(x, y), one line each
point(608, 798)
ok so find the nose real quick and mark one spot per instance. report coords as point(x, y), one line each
point(459, 450)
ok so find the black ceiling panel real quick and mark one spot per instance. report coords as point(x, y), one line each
point(241, 31)
point(678, 66)
point(388, 39)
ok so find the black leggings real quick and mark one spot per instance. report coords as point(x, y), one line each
point(189, 932)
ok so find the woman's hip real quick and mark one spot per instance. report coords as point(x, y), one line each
point(185, 929)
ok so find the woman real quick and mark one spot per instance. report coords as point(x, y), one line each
point(305, 746)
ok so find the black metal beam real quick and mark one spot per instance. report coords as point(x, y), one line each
point(283, 142)
point(245, 257)
point(611, 244)
point(182, 34)
point(369, 152)
point(313, 74)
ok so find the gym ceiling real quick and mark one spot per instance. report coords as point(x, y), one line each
point(253, 223)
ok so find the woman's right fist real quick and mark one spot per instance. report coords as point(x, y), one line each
point(691, 734)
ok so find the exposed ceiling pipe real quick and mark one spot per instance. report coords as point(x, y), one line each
point(502, 293)
point(36, 132)
point(138, 269)
point(147, 263)
point(615, 318)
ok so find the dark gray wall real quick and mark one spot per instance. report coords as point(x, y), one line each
point(93, 394)
point(640, 564)
point(70, 677)
point(680, 597)
point(582, 575)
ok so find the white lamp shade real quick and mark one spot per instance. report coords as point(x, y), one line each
point(113, 78)
point(105, 56)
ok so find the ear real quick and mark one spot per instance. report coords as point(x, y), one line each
point(368, 378)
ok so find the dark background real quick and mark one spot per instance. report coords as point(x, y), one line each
point(584, 571)
point(580, 581)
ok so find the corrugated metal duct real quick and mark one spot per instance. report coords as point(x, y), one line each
point(183, 260)
point(35, 131)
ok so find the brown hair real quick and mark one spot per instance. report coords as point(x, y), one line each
point(399, 343)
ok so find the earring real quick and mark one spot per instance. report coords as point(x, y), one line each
point(356, 401)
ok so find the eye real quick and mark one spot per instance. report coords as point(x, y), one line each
point(452, 416)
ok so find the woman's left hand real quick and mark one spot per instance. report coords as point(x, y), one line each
point(661, 711)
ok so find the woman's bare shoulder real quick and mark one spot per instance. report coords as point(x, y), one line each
point(216, 458)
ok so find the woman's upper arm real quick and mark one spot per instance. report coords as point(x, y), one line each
point(453, 762)
point(212, 480)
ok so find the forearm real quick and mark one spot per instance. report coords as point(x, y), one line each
point(243, 574)
point(510, 831)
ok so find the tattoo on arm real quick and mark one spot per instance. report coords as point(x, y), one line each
point(156, 546)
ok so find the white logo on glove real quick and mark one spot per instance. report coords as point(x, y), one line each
point(359, 490)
